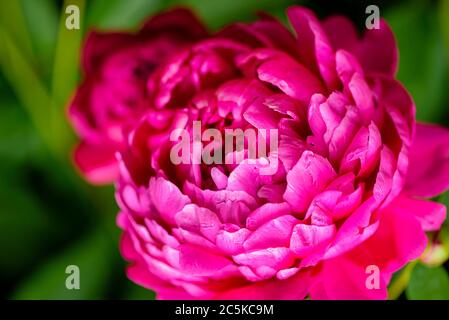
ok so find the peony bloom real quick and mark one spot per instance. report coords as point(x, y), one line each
point(113, 94)
point(348, 195)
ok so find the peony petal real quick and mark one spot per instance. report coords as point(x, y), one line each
point(274, 233)
point(342, 32)
point(309, 176)
point(378, 51)
point(266, 213)
point(314, 46)
point(308, 238)
point(277, 258)
point(291, 77)
point(363, 153)
point(347, 66)
point(220, 179)
point(428, 173)
point(230, 206)
point(401, 237)
point(197, 261)
point(343, 279)
point(97, 163)
point(98, 46)
point(199, 220)
point(178, 20)
point(166, 198)
point(231, 243)
point(294, 288)
point(363, 97)
point(430, 214)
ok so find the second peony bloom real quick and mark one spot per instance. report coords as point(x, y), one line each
point(347, 196)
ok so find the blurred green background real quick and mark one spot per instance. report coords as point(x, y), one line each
point(50, 218)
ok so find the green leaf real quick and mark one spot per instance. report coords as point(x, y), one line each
point(66, 63)
point(428, 284)
point(94, 258)
point(65, 76)
point(42, 20)
point(119, 14)
point(444, 21)
point(17, 138)
point(423, 63)
point(12, 20)
point(27, 85)
point(24, 225)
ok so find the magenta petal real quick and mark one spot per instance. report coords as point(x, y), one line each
point(347, 66)
point(401, 238)
point(277, 258)
point(363, 97)
point(97, 162)
point(272, 192)
point(314, 45)
point(342, 279)
point(307, 238)
point(197, 261)
point(245, 177)
point(291, 77)
point(266, 213)
point(364, 152)
point(199, 220)
point(166, 198)
point(428, 173)
point(342, 32)
point(274, 233)
point(232, 242)
point(177, 20)
point(98, 46)
point(294, 288)
point(261, 116)
point(309, 176)
point(430, 214)
point(379, 58)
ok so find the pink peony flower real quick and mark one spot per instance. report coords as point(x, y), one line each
point(113, 94)
point(348, 195)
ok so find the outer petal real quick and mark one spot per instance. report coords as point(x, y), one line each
point(428, 173)
point(314, 46)
point(179, 20)
point(341, 31)
point(98, 45)
point(398, 240)
point(344, 279)
point(294, 288)
point(96, 162)
point(378, 51)
point(430, 214)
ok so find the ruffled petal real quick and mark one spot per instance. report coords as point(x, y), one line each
point(309, 176)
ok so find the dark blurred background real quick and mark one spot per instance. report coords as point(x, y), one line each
point(50, 218)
